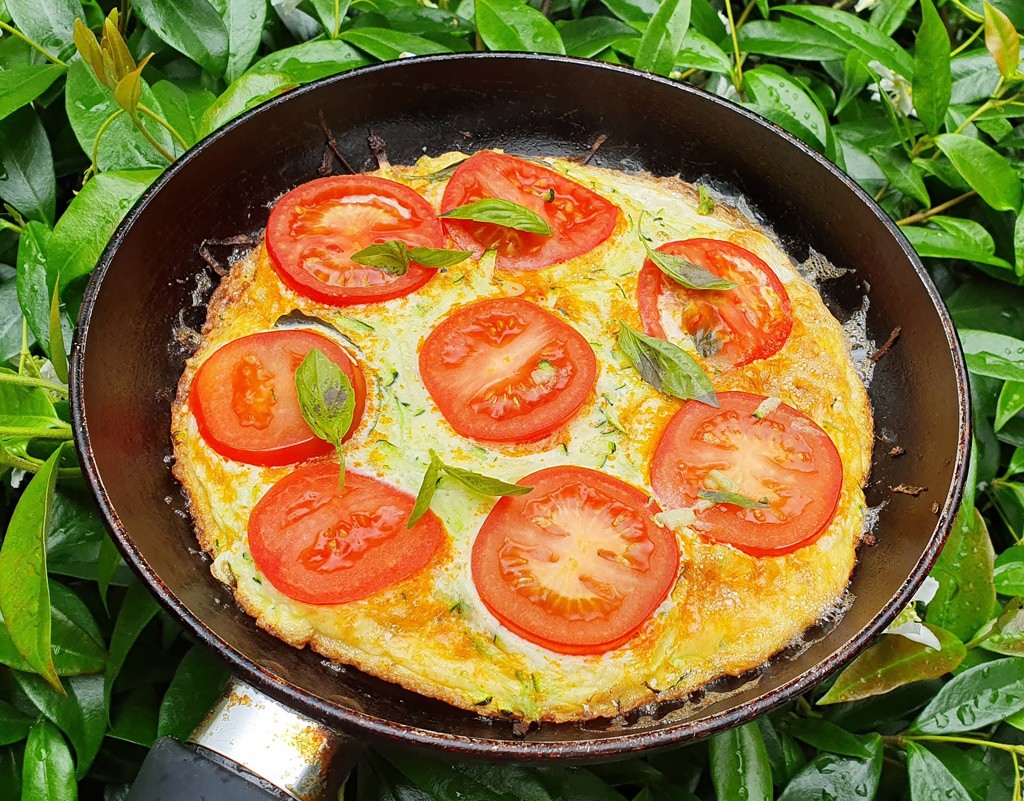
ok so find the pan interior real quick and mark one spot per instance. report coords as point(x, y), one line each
point(152, 284)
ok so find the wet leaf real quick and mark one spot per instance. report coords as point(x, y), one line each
point(966, 593)
point(833, 776)
point(933, 81)
point(26, 165)
point(191, 27)
point(49, 772)
point(988, 172)
point(663, 37)
point(21, 85)
point(739, 764)
point(514, 26)
point(930, 780)
point(241, 95)
point(827, 736)
point(977, 697)
point(243, 20)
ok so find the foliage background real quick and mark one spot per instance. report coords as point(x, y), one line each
point(919, 100)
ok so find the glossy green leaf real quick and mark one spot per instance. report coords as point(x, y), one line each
point(966, 594)
point(10, 321)
point(933, 81)
point(191, 27)
point(964, 239)
point(21, 85)
point(1008, 575)
point(14, 725)
point(24, 590)
point(857, 33)
point(986, 170)
point(505, 213)
point(834, 776)
point(196, 685)
point(787, 103)
point(243, 20)
point(699, 52)
point(331, 14)
point(26, 166)
point(86, 226)
point(790, 38)
point(49, 772)
point(106, 567)
point(48, 22)
point(888, 15)
point(686, 273)
point(33, 292)
point(930, 780)
point(663, 37)
point(893, 661)
point(1002, 40)
point(739, 765)
point(183, 107)
point(137, 609)
point(635, 13)
point(386, 45)
point(975, 698)
point(512, 25)
point(784, 753)
point(585, 38)
point(1010, 403)
point(826, 736)
point(58, 352)
point(79, 713)
point(248, 91)
point(310, 61)
point(902, 173)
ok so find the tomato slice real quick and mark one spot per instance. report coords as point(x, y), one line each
point(730, 327)
point(244, 400)
point(321, 546)
point(783, 458)
point(315, 228)
point(580, 219)
point(577, 565)
point(506, 370)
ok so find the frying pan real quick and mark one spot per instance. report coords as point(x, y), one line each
point(127, 358)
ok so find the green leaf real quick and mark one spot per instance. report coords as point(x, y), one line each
point(48, 22)
point(995, 355)
point(1005, 635)
point(86, 226)
point(49, 772)
point(663, 37)
point(1002, 40)
point(80, 713)
point(829, 737)
point(513, 25)
point(134, 718)
point(933, 81)
point(834, 776)
point(930, 780)
point(893, 661)
point(26, 166)
point(859, 34)
point(310, 61)
point(474, 482)
point(106, 566)
point(784, 753)
point(724, 496)
point(635, 13)
point(1010, 403)
point(331, 14)
point(10, 321)
point(966, 594)
point(1008, 575)
point(501, 212)
point(963, 239)
point(183, 107)
point(58, 353)
point(21, 85)
point(585, 38)
point(739, 764)
point(243, 20)
point(975, 698)
point(327, 401)
point(248, 91)
point(24, 591)
point(888, 15)
point(10, 775)
point(438, 257)
point(196, 685)
point(686, 273)
point(14, 725)
point(387, 45)
point(393, 257)
point(988, 172)
point(425, 494)
point(447, 780)
point(137, 609)
point(785, 101)
point(792, 39)
point(666, 367)
point(191, 27)
point(902, 173)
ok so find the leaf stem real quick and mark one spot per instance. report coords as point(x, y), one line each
point(8, 459)
point(745, 13)
point(921, 216)
point(902, 739)
point(167, 126)
point(967, 42)
point(17, 432)
point(99, 135)
point(28, 381)
point(6, 224)
point(971, 15)
point(337, 19)
point(150, 138)
point(737, 73)
point(33, 44)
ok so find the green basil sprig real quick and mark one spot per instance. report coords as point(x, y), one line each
point(686, 273)
point(327, 402)
point(394, 257)
point(474, 482)
point(501, 212)
point(724, 496)
point(666, 367)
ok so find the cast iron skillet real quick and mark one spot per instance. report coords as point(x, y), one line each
point(127, 358)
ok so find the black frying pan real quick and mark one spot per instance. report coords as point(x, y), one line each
point(127, 359)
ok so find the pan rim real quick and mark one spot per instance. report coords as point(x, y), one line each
point(610, 744)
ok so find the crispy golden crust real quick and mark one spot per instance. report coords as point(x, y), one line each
point(728, 613)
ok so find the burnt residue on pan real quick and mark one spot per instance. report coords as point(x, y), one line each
point(127, 357)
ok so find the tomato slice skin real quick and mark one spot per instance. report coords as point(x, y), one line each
point(245, 403)
point(316, 227)
point(321, 546)
point(580, 218)
point(506, 370)
point(747, 323)
point(576, 566)
point(784, 457)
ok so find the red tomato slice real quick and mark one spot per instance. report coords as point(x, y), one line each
point(321, 546)
point(731, 327)
point(506, 370)
point(315, 228)
point(245, 402)
point(577, 565)
point(784, 458)
point(580, 219)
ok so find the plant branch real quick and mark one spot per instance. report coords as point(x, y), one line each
point(150, 138)
point(28, 381)
point(737, 73)
point(167, 126)
point(17, 432)
point(921, 216)
point(99, 135)
point(33, 44)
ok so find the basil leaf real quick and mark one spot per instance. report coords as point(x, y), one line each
point(394, 256)
point(428, 487)
point(686, 273)
point(438, 257)
point(501, 212)
point(666, 367)
point(705, 203)
point(327, 401)
point(724, 496)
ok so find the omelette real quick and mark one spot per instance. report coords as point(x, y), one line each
point(663, 487)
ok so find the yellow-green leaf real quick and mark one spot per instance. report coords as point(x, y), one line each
point(1002, 40)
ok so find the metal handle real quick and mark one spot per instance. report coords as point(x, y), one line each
point(249, 748)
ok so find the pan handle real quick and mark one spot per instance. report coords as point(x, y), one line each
point(249, 748)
